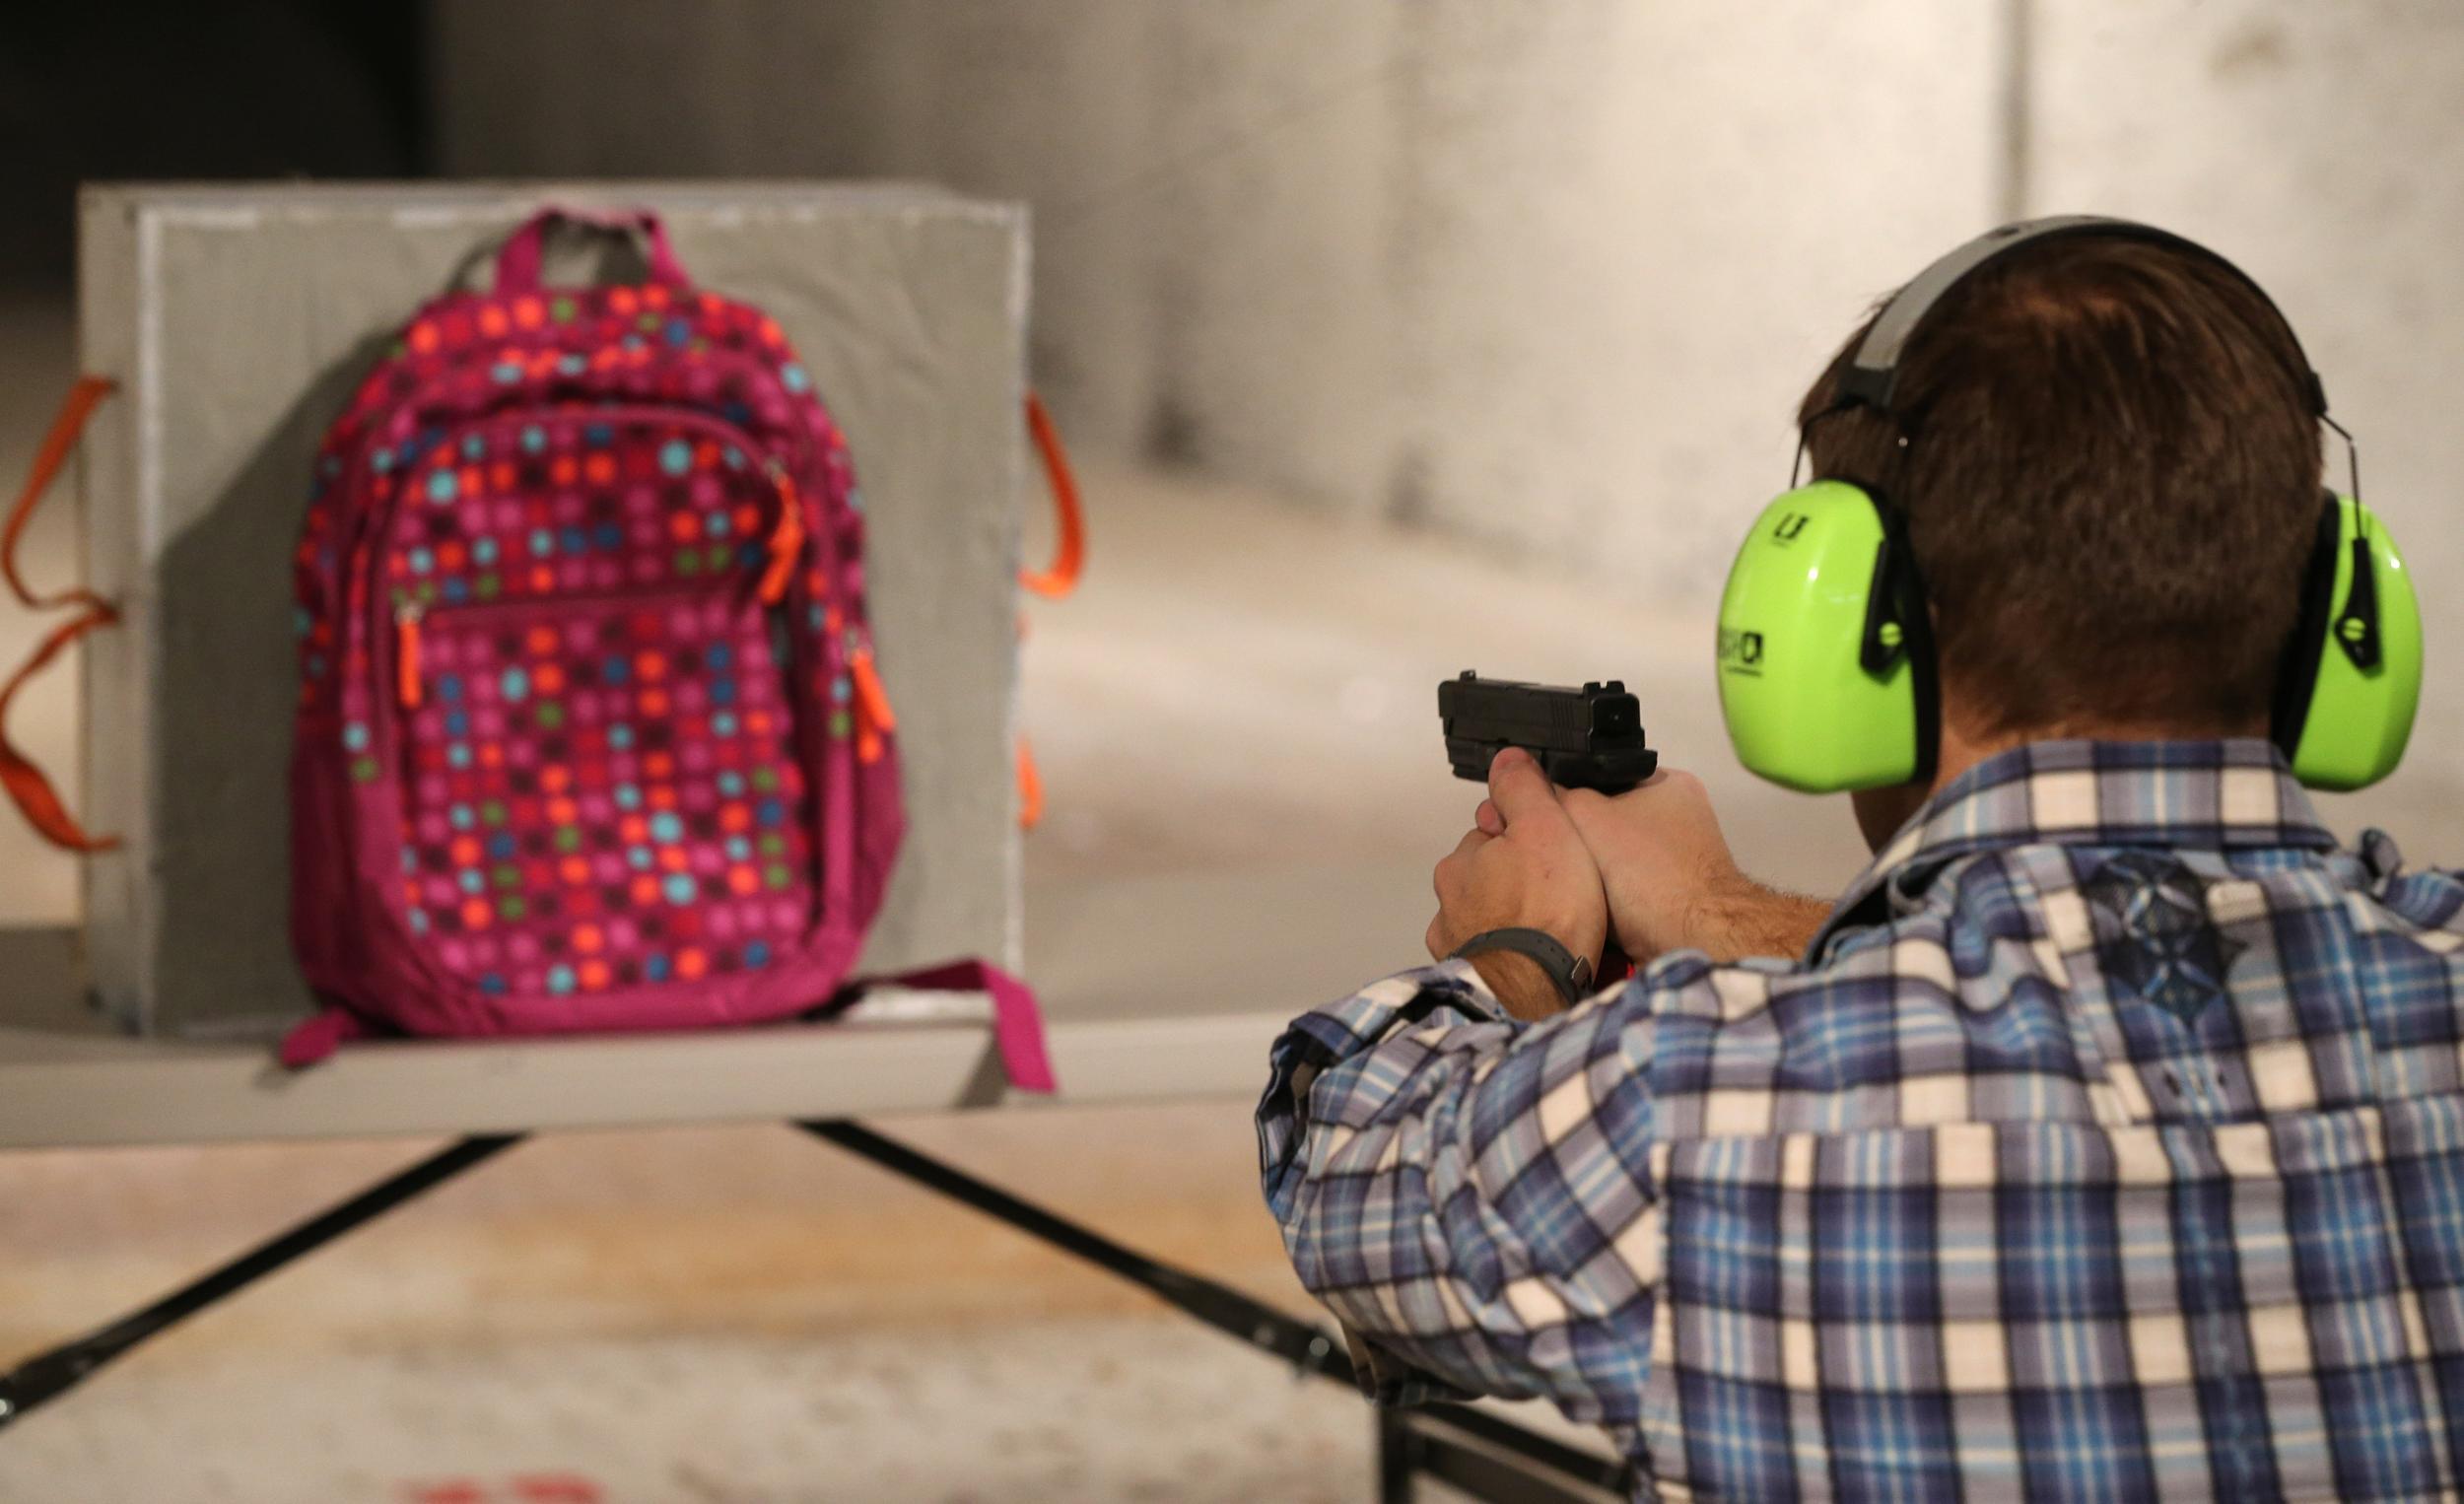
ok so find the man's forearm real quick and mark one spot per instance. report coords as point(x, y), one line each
point(1743, 918)
point(1521, 988)
point(1729, 922)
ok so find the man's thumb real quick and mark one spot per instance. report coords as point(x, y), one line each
point(1518, 788)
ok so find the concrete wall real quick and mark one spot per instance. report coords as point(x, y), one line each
point(1631, 235)
point(2316, 146)
point(1546, 274)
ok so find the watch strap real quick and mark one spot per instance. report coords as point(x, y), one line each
point(1569, 973)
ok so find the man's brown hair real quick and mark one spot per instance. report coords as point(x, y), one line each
point(2109, 467)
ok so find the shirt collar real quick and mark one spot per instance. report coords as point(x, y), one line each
point(2210, 795)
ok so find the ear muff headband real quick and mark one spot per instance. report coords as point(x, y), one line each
point(1826, 705)
point(1873, 374)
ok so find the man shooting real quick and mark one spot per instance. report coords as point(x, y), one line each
point(2105, 1138)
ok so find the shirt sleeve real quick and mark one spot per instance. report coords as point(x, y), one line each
point(1469, 1193)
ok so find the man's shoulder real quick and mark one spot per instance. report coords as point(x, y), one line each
point(1875, 964)
point(1958, 998)
point(1911, 947)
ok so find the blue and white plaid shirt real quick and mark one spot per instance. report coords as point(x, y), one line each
point(2108, 1143)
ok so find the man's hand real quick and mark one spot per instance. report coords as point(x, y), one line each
point(1525, 868)
point(1671, 882)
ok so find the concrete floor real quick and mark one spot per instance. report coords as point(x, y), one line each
point(1126, 1409)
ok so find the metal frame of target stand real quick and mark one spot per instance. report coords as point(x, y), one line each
point(1470, 1449)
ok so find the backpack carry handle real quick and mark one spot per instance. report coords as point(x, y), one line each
point(25, 784)
point(518, 260)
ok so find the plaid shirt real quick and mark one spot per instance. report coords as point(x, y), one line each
point(2108, 1143)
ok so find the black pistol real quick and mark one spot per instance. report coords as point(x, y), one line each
point(1583, 738)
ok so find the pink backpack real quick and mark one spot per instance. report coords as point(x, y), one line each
point(589, 733)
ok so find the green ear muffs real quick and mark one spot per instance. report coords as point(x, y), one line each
point(1826, 656)
point(1826, 668)
point(2351, 675)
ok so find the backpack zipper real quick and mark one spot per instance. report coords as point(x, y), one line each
point(786, 536)
point(410, 622)
point(787, 533)
point(785, 544)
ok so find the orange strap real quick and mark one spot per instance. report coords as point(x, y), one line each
point(36, 798)
point(25, 784)
point(1054, 582)
point(57, 446)
point(1069, 546)
point(1030, 786)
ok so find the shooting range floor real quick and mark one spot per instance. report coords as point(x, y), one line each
point(1117, 1409)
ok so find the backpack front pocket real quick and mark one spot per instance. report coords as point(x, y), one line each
point(602, 793)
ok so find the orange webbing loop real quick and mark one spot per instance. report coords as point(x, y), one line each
point(1030, 786)
point(57, 446)
point(1054, 582)
point(1069, 545)
point(25, 784)
point(36, 798)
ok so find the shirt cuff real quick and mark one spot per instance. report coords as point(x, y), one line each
point(1367, 1018)
point(1319, 1041)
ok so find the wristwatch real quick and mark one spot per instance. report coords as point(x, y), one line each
point(1569, 973)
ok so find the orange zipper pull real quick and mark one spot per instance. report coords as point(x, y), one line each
point(406, 655)
point(870, 698)
point(873, 716)
point(787, 540)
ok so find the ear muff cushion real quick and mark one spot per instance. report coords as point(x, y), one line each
point(1802, 709)
point(2342, 719)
